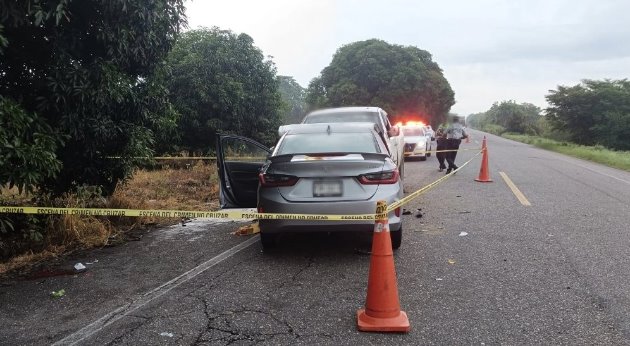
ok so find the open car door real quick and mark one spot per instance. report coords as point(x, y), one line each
point(239, 160)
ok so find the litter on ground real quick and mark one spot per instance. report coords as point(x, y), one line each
point(58, 294)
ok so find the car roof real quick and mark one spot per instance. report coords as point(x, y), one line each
point(334, 127)
point(347, 110)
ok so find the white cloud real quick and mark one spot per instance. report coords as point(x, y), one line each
point(490, 50)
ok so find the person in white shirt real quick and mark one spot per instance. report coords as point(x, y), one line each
point(454, 134)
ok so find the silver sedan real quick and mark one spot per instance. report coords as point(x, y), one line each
point(329, 169)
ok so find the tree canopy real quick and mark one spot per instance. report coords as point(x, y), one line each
point(83, 75)
point(221, 82)
point(593, 112)
point(507, 116)
point(294, 98)
point(404, 80)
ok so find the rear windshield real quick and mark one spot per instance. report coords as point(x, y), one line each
point(413, 131)
point(365, 117)
point(307, 143)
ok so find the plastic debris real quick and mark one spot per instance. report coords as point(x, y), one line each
point(58, 294)
point(451, 261)
point(170, 335)
point(248, 229)
point(79, 267)
point(463, 234)
point(89, 263)
point(438, 279)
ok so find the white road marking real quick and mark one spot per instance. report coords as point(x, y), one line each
point(145, 298)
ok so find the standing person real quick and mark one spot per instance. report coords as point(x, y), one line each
point(440, 138)
point(454, 135)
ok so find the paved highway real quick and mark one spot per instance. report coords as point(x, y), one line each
point(552, 267)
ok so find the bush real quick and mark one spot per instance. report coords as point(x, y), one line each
point(494, 129)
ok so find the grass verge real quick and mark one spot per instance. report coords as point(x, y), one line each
point(40, 238)
point(597, 153)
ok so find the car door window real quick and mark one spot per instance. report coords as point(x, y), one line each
point(239, 160)
point(235, 149)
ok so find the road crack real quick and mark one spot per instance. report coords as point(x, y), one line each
point(220, 326)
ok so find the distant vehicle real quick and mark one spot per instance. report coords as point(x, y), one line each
point(329, 169)
point(390, 134)
point(417, 141)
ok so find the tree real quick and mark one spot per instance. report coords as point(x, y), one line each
point(221, 82)
point(400, 79)
point(27, 148)
point(293, 95)
point(593, 112)
point(476, 120)
point(514, 117)
point(85, 72)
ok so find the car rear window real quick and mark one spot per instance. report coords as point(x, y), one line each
point(345, 117)
point(306, 143)
point(413, 131)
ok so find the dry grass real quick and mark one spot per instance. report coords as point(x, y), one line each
point(191, 188)
point(13, 195)
point(30, 259)
point(194, 188)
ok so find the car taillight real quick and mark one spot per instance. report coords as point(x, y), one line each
point(275, 180)
point(390, 177)
point(396, 212)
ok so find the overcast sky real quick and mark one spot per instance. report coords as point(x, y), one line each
point(490, 50)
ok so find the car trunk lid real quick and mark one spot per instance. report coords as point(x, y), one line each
point(327, 177)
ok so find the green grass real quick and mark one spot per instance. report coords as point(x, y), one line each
point(597, 153)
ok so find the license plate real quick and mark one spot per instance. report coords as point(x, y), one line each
point(327, 189)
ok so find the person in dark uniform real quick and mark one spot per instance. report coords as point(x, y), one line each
point(440, 138)
point(454, 134)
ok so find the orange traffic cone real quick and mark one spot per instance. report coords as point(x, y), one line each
point(382, 307)
point(484, 172)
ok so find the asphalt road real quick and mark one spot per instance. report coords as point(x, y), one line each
point(554, 272)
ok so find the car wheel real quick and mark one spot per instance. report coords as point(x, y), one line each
point(396, 238)
point(268, 241)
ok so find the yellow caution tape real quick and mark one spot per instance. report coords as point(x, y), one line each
point(167, 157)
point(426, 188)
point(441, 151)
point(183, 158)
point(222, 214)
point(179, 213)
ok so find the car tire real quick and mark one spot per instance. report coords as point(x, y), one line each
point(268, 241)
point(396, 238)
